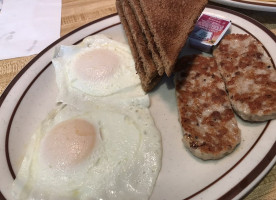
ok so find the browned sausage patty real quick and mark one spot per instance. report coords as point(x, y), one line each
point(208, 122)
point(249, 76)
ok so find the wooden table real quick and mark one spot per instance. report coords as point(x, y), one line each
point(76, 13)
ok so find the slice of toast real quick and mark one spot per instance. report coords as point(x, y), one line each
point(207, 119)
point(147, 84)
point(135, 5)
point(139, 40)
point(249, 76)
point(170, 22)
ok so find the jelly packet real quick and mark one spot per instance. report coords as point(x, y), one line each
point(208, 32)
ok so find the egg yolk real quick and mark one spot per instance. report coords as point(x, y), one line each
point(68, 143)
point(96, 65)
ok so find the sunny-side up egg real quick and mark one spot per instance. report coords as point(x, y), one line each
point(97, 67)
point(100, 153)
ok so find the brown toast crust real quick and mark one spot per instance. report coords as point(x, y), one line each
point(139, 40)
point(170, 22)
point(147, 84)
point(205, 113)
point(135, 5)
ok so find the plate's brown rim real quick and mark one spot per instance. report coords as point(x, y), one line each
point(260, 168)
point(254, 3)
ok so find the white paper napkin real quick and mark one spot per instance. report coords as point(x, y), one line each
point(28, 26)
point(1, 1)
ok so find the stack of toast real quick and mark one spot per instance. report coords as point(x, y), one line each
point(156, 31)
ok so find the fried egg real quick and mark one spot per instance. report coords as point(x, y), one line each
point(97, 67)
point(100, 142)
point(97, 153)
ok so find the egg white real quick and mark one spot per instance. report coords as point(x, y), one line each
point(97, 68)
point(123, 164)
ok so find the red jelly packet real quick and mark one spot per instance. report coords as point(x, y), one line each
point(208, 32)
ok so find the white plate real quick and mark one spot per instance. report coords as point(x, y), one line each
point(250, 4)
point(31, 95)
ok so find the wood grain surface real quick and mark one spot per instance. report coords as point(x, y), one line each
point(76, 13)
